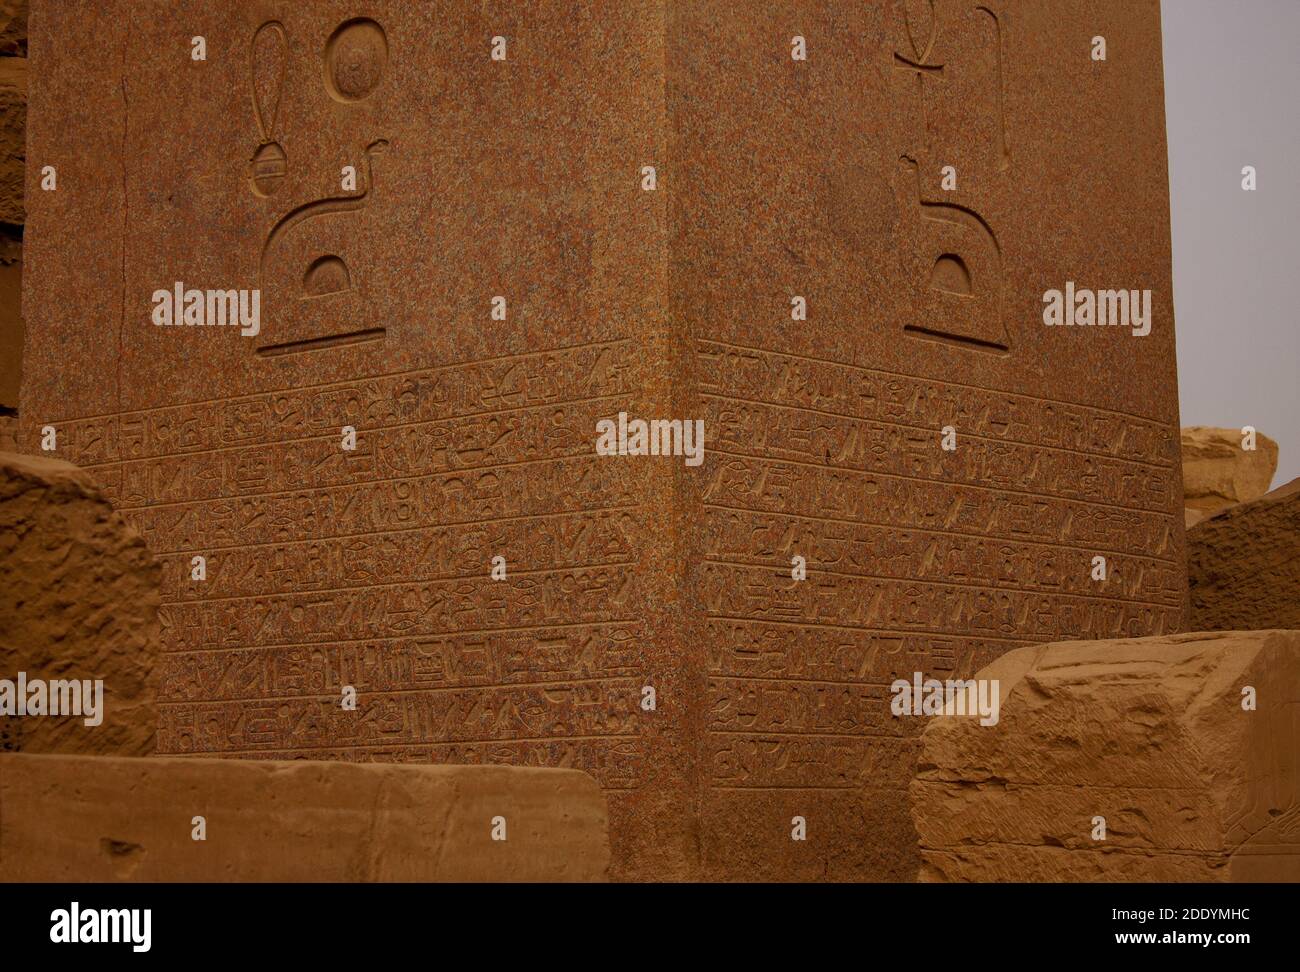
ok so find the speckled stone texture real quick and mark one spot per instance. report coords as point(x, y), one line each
point(1150, 734)
point(524, 178)
point(13, 114)
point(13, 149)
point(79, 600)
point(107, 819)
point(1218, 472)
point(1243, 564)
point(13, 28)
point(11, 324)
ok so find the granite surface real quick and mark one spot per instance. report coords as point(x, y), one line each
point(523, 178)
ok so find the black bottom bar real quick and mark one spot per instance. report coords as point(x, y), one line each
point(644, 924)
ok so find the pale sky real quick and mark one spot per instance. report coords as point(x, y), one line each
point(1232, 96)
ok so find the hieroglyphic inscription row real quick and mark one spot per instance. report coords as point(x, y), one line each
point(605, 537)
point(596, 709)
point(762, 595)
point(537, 434)
point(839, 547)
point(579, 596)
point(926, 404)
point(543, 655)
point(780, 488)
point(386, 401)
point(789, 432)
point(442, 553)
point(458, 498)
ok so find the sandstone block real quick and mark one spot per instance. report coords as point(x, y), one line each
point(79, 600)
point(13, 137)
point(13, 28)
point(11, 327)
point(1218, 472)
point(1149, 733)
point(1243, 565)
point(72, 818)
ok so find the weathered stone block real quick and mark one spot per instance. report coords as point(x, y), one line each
point(79, 602)
point(69, 818)
point(1218, 472)
point(1243, 565)
point(1157, 736)
point(13, 28)
point(13, 142)
point(11, 330)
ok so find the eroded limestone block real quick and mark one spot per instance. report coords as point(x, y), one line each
point(11, 335)
point(13, 28)
point(1218, 472)
point(78, 601)
point(1243, 565)
point(72, 818)
point(1152, 734)
point(13, 143)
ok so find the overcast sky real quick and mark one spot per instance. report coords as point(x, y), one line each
point(1232, 95)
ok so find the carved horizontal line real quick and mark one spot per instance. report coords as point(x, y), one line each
point(813, 733)
point(944, 482)
point(367, 484)
point(966, 636)
point(364, 482)
point(389, 745)
point(423, 527)
point(373, 693)
point(784, 570)
point(800, 680)
point(310, 386)
point(921, 428)
point(452, 578)
point(873, 629)
point(333, 435)
point(980, 344)
point(365, 336)
point(997, 538)
point(390, 637)
point(846, 787)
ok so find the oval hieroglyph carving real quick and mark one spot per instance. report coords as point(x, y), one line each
point(355, 57)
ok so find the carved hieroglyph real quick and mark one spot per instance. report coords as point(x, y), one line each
point(521, 178)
